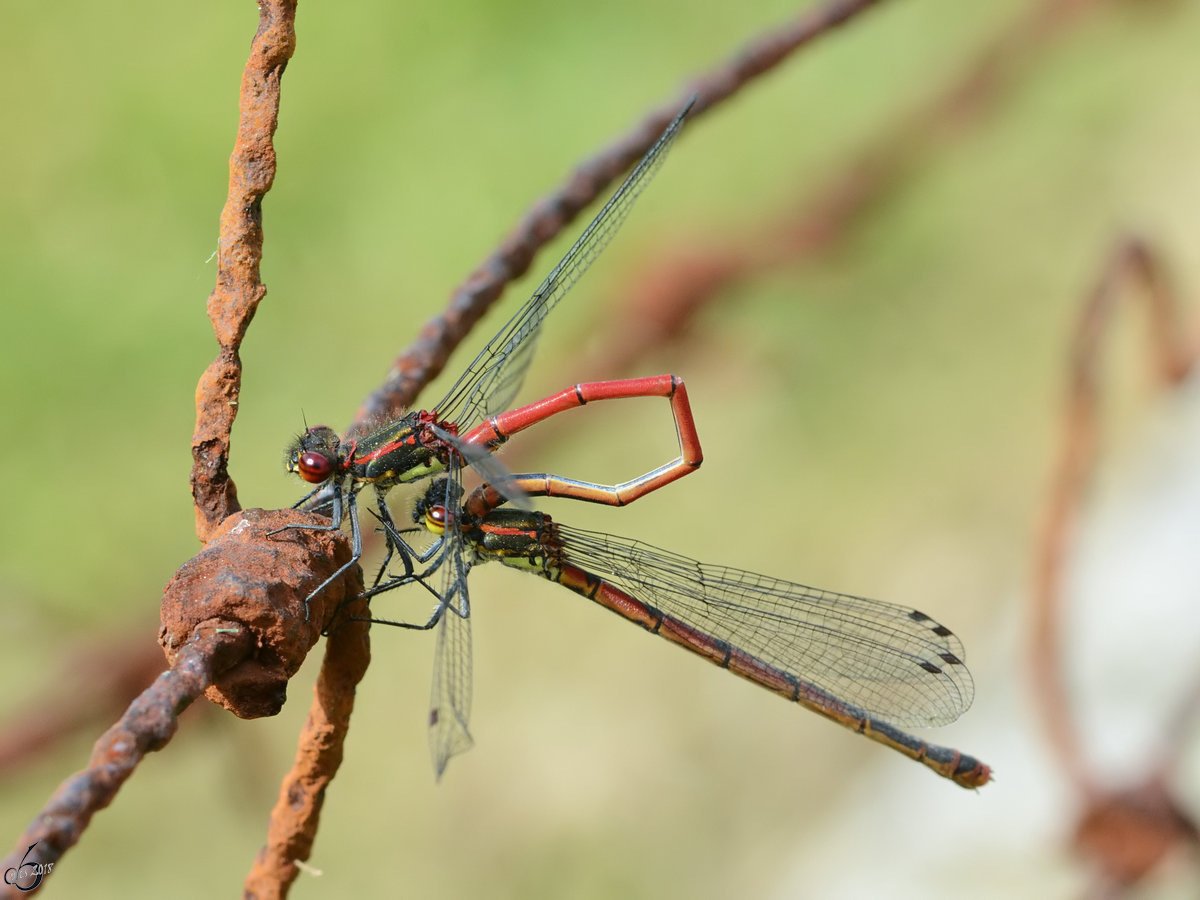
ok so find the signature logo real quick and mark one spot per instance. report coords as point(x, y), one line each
point(16, 875)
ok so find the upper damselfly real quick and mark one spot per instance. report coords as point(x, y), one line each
point(470, 422)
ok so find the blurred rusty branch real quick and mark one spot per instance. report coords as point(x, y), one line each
point(1126, 833)
point(96, 678)
point(147, 725)
point(235, 298)
point(684, 279)
point(1173, 355)
point(425, 357)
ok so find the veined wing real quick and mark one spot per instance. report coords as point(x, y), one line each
point(492, 380)
point(450, 702)
point(490, 469)
point(890, 661)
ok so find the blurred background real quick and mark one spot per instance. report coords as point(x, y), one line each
point(878, 418)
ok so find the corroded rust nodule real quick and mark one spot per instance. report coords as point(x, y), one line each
point(260, 581)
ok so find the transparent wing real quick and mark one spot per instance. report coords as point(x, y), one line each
point(450, 704)
point(892, 662)
point(492, 380)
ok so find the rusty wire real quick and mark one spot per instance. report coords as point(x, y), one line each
point(1130, 263)
point(294, 820)
point(147, 725)
point(213, 645)
point(236, 627)
point(239, 289)
point(670, 293)
point(1126, 831)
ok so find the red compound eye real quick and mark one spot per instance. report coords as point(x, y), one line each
point(314, 467)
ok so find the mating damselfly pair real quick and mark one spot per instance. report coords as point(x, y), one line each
point(868, 665)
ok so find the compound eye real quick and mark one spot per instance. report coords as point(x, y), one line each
point(314, 467)
point(435, 519)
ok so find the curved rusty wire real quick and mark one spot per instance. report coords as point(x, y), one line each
point(1126, 830)
point(1132, 262)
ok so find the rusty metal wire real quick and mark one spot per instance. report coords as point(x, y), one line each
point(239, 289)
point(205, 641)
point(669, 294)
point(147, 725)
point(101, 673)
point(294, 820)
point(236, 627)
point(1125, 832)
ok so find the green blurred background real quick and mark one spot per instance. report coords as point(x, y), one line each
point(880, 421)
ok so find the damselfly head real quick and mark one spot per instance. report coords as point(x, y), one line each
point(437, 509)
point(314, 455)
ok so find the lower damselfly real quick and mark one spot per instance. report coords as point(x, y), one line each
point(867, 665)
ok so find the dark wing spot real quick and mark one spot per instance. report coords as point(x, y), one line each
point(930, 667)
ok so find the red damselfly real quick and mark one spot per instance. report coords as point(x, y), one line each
point(469, 423)
point(867, 665)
